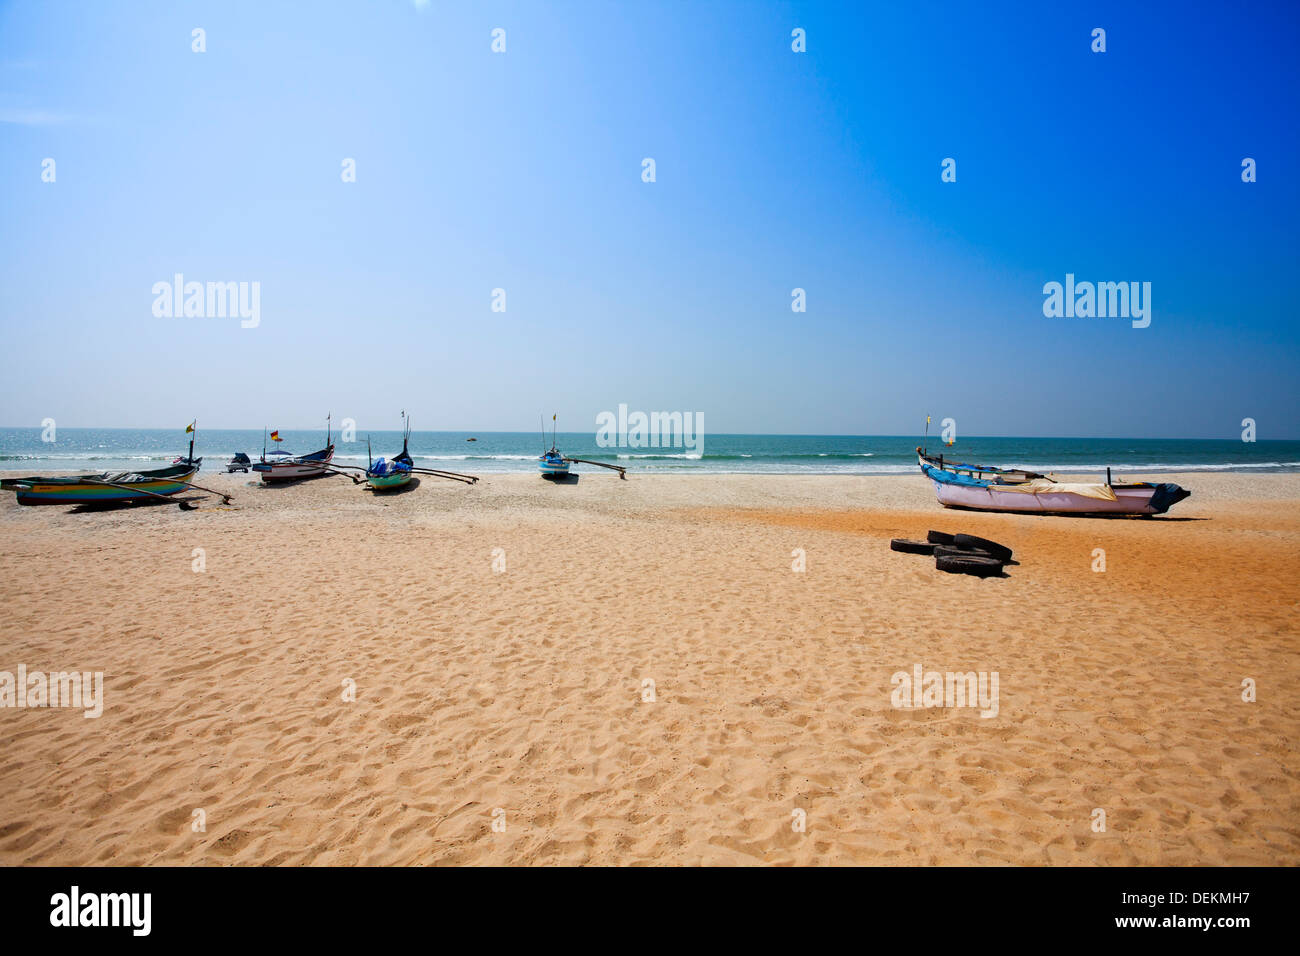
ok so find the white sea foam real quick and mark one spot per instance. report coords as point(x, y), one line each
point(689, 457)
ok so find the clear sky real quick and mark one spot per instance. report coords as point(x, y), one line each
point(522, 170)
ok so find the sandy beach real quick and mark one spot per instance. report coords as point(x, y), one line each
point(503, 639)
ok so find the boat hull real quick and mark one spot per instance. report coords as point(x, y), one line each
point(85, 490)
point(959, 485)
point(296, 469)
point(553, 465)
point(1128, 501)
point(389, 482)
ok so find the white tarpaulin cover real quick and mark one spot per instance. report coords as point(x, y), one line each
point(1042, 486)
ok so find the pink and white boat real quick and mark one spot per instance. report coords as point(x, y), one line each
point(984, 488)
point(282, 466)
point(294, 467)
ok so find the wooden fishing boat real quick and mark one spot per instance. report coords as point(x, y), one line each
point(280, 466)
point(381, 480)
point(393, 473)
point(114, 488)
point(985, 488)
point(554, 465)
point(294, 467)
point(103, 487)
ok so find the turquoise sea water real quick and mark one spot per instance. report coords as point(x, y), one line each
point(91, 449)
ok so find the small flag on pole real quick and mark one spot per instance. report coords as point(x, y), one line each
point(190, 427)
point(275, 436)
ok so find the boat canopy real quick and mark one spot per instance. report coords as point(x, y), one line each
point(383, 466)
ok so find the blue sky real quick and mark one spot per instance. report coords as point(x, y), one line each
point(775, 170)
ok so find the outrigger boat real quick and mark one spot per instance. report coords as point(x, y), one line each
point(385, 475)
point(102, 487)
point(985, 488)
point(110, 488)
point(281, 466)
point(381, 475)
point(554, 465)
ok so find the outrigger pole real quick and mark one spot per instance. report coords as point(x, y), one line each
point(344, 469)
point(332, 469)
point(454, 475)
point(622, 472)
point(184, 505)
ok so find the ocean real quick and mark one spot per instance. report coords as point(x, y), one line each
point(121, 449)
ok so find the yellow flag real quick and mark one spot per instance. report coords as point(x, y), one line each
point(190, 427)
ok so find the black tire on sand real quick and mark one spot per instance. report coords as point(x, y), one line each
point(938, 537)
point(908, 546)
point(969, 542)
point(951, 551)
point(981, 567)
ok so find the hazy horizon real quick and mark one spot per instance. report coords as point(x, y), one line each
point(934, 435)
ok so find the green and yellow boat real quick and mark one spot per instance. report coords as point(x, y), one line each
point(108, 487)
point(103, 487)
point(391, 474)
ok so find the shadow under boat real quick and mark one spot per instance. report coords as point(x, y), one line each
point(99, 507)
point(1104, 516)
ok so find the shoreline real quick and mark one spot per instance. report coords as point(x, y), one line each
point(1071, 473)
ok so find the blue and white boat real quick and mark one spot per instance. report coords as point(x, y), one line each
point(985, 488)
point(281, 466)
point(553, 464)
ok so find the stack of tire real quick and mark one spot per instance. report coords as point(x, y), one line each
point(959, 553)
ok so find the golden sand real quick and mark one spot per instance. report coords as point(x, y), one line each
point(524, 690)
